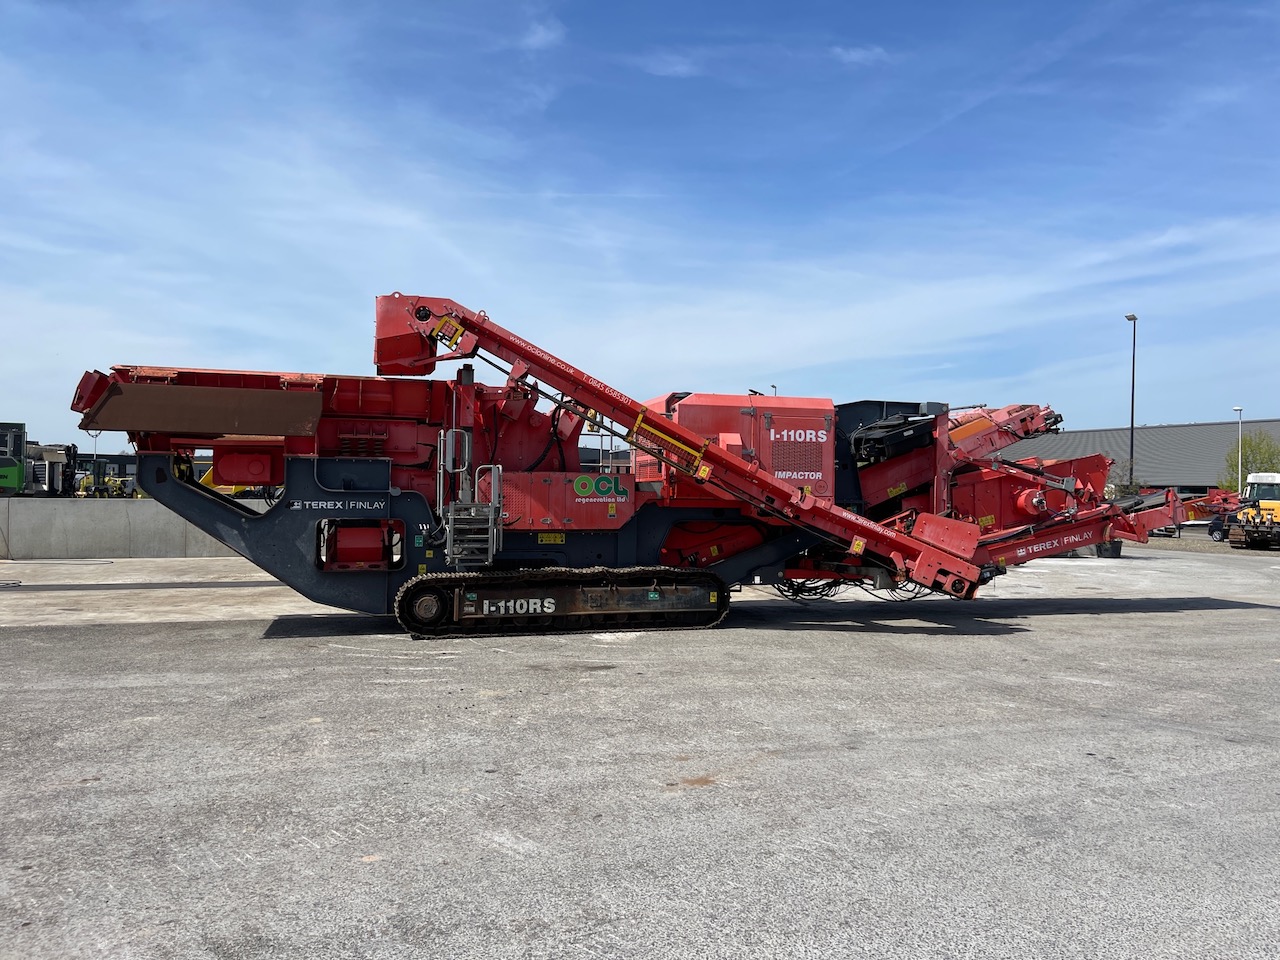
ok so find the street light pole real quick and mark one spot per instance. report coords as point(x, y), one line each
point(1239, 449)
point(1133, 382)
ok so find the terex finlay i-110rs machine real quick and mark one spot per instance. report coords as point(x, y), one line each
point(466, 508)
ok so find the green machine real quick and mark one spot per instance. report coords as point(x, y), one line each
point(13, 458)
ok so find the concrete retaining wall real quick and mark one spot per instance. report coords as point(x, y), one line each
point(64, 529)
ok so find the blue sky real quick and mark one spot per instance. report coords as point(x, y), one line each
point(929, 200)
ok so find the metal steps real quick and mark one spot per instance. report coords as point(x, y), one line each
point(473, 534)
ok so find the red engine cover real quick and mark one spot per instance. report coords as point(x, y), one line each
point(791, 437)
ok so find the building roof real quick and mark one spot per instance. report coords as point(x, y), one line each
point(1167, 455)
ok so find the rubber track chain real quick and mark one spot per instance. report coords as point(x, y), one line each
point(561, 576)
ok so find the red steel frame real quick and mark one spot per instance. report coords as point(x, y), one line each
point(258, 419)
point(940, 552)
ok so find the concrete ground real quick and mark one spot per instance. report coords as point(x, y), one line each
point(1081, 763)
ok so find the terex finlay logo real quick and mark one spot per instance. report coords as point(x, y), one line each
point(605, 488)
point(1057, 544)
point(337, 505)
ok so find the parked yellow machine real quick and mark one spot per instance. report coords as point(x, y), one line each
point(240, 491)
point(232, 491)
point(1256, 525)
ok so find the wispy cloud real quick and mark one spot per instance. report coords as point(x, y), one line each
point(1194, 104)
point(861, 56)
point(743, 60)
point(217, 208)
point(669, 63)
point(958, 99)
point(543, 35)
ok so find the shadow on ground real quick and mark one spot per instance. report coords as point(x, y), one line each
point(296, 626)
point(925, 617)
point(956, 617)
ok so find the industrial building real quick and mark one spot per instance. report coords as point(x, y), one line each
point(1188, 456)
